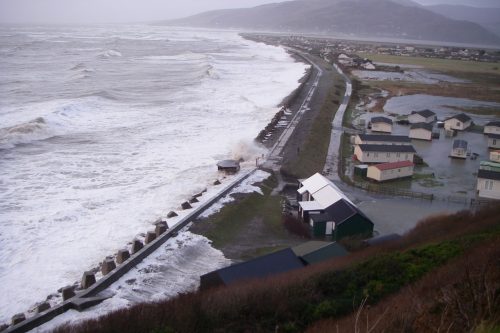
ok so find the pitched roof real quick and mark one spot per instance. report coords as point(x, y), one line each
point(309, 247)
point(323, 190)
point(425, 126)
point(493, 123)
point(461, 117)
point(330, 251)
point(393, 165)
point(381, 120)
point(488, 174)
point(341, 211)
point(388, 148)
point(384, 138)
point(460, 144)
point(425, 113)
point(494, 136)
point(271, 264)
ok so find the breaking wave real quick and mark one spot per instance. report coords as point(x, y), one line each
point(110, 54)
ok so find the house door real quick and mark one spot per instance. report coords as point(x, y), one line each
point(329, 228)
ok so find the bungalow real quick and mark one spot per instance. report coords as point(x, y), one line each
point(261, 267)
point(494, 141)
point(493, 127)
point(389, 171)
point(381, 124)
point(424, 116)
point(488, 184)
point(329, 212)
point(381, 139)
point(317, 251)
point(458, 122)
point(495, 155)
point(459, 149)
point(421, 131)
point(384, 153)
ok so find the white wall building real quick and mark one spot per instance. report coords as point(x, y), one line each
point(488, 184)
point(459, 122)
point(492, 127)
point(381, 139)
point(381, 124)
point(389, 171)
point(459, 149)
point(424, 116)
point(495, 156)
point(421, 131)
point(494, 141)
point(384, 153)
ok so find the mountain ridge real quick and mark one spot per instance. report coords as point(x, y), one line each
point(375, 18)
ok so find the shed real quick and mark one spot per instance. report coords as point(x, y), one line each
point(361, 170)
point(382, 139)
point(316, 251)
point(459, 149)
point(384, 153)
point(229, 166)
point(493, 127)
point(494, 141)
point(390, 171)
point(424, 116)
point(261, 267)
point(488, 184)
point(421, 131)
point(458, 122)
point(381, 124)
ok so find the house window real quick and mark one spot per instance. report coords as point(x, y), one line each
point(398, 154)
point(399, 170)
point(388, 154)
point(406, 157)
point(458, 124)
point(376, 154)
point(367, 154)
point(488, 185)
point(495, 142)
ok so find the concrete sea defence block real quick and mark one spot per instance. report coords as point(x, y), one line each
point(172, 214)
point(88, 279)
point(161, 228)
point(107, 266)
point(186, 205)
point(16, 319)
point(137, 246)
point(122, 256)
point(68, 292)
point(217, 182)
point(3, 327)
point(42, 307)
point(193, 200)
point(150, 236)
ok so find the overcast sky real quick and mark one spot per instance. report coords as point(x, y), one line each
point(88, 11)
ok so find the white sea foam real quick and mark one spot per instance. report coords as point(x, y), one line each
point(118, 150)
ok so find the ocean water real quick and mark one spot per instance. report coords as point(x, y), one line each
point(103, 130)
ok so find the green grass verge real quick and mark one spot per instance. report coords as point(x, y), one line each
point(444, 65)
point(312, 155)
point(235, 217)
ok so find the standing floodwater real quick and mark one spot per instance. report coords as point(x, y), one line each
point(103, 130)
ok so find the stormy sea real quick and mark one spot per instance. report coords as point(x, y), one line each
point(104, 130)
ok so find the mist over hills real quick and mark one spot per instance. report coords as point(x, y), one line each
point(366, 18)
point(487, 17)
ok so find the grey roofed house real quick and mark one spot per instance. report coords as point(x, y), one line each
point(381, 120)
point(261, 267)
point(229, 165)
point(425, 126)
point(316, 251)
point(461, 117)
point(493, 123)
point(488, 174)
point(384, 138)
point(425, 113)
point(460, 144)
point(388, 148)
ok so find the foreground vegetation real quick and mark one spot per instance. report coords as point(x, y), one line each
point(443, 275)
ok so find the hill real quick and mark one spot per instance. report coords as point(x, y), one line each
point(368, 18)
point(443, 275)
point(487, 17)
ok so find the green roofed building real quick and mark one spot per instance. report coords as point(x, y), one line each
point(316, 251)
